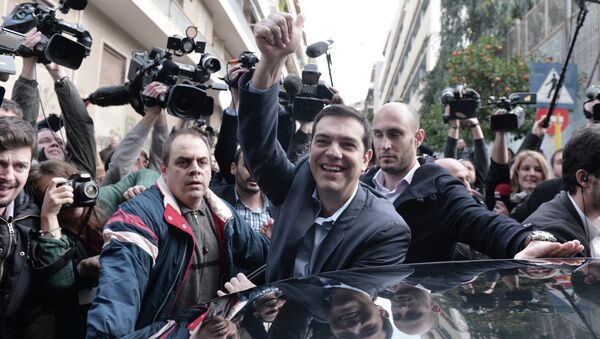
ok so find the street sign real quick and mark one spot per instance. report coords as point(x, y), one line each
point(560, 115)
point(544, 80)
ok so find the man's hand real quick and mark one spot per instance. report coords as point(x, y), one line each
point(132, 192)
point(90, 267)
point(546, 249)
point(538, 129)
point(154, 90)
point(237, 284)
point(267, 228)
point(56, 71)
point(336, 99)
point(277, 36)
point(32, 38)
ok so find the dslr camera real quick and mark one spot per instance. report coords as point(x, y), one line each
point(463, 102)
point(85, 190)
point(513, 120)
point(248, 60)
point(592, 93)
point(309, 101)
point(54, 46)
point(186, 97)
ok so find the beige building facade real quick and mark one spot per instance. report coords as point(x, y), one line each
point(120, 26)
point(411, 50)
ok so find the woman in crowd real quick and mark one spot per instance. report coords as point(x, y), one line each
point(80, 266)
point(507, 185)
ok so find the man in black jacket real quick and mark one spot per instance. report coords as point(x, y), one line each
point(436, 206)
point(575, 214)
point(18, 216)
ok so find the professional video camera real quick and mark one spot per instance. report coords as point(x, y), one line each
point(462, 100)
point(53, 47)
point(592, 93)
point(307, 94)
point(248, 60)
point(85, 190)
point(186, 97)
point(513, 120)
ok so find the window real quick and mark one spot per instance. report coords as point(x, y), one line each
point(112, 69)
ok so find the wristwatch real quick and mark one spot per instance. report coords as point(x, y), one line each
point(539, 236)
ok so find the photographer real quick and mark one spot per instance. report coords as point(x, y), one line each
point(79, 126)
point(507, 186)
point(123, 160)
point(479, 163)
point(76, 234)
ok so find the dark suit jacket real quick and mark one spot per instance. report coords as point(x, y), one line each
point(368, 233)
point(440, 212)
point(543, 192)
point(559, 217)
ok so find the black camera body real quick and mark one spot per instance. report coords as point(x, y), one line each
point(514, 119)
point(85, 190)
point(248, 60)
point(592, 93)
point(309, 102)
point(463, 102)
point(54, 46)
point(186, 97)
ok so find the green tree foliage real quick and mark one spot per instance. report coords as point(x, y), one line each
point(465, 22)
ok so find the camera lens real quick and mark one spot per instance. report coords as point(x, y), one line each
point(90, 190)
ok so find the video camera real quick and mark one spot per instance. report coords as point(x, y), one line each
point(54, 46)
point(513, 120)
point(307, 95)
point(186, 97)
point(592, 93)
point(248, 60)
point(462, 100)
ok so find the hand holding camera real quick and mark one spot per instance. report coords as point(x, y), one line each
point(152, 95)
point(57, 194)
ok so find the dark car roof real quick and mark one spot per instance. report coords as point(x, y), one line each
point(478, 299)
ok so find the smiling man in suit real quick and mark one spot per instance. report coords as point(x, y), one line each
point(326, 219)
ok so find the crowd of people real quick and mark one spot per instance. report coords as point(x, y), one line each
point(171, 227)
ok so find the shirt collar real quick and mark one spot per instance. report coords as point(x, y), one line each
point(589, 224)
point(379, 180)
point(264, 207)
point(9, 211)
point(335, 216)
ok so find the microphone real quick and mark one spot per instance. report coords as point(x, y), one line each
point(77, 5)
point(110, 96)
point(502, 193)
point(318, 48)
point(292, 85)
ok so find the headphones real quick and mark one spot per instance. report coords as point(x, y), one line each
point(584, 178)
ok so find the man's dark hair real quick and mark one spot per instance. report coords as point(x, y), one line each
point(346, 112)
point(15, 133)
point(582, 152)
point(186, 131)
point(12, 106)
point(237, 156)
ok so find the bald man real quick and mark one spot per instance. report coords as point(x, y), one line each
point(436, 206)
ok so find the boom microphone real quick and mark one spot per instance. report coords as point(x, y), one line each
point(110, 96)
point(317, 49)
point(77, 5)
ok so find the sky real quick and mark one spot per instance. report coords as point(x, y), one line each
point(359, 29)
